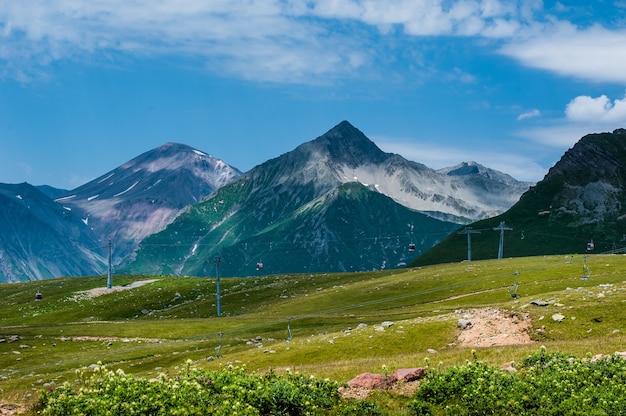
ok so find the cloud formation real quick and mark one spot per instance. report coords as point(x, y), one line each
point(529, 114)
point(583, 115)
point(592, 54)
point(587, 109)
point(297, 40)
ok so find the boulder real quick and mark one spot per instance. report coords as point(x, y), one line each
point(464, 323)
point(557, 317)
point(539, 302)
point(368, 381)
point(407, 374)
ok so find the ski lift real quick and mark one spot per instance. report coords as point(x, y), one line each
point(513, 289)
point(590, 246)
point(412, 247)
point(259, 266)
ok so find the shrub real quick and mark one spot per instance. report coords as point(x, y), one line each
point(231, 391)
point(547, 384)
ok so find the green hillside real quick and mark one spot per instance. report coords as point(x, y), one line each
point(580, 201)
point(154, 327)
point(348, 228)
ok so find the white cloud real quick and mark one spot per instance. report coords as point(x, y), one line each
point(587, 109)
point(595, 53)
point(293, 41)
point(253, 39)
point(529, 114)
point(583, 115)
point(296, 40)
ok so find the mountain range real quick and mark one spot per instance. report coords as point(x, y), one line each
point(578, 207)
point(335, 203)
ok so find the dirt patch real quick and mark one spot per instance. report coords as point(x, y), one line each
point(98, 291)
point(492, 327)
point(11, 409)
point(362, 393)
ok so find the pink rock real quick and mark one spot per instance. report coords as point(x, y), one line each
point(408, 374)
point(368, 381)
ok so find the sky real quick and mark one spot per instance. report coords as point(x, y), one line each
point(85, 86)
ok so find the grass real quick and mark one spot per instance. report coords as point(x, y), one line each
point(157, 327)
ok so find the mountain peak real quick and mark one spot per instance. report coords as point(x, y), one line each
point(347, 144)
point(464, 168)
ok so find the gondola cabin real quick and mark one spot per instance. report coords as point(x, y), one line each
point(590, 246)
point(411, 247)
point(259, 266)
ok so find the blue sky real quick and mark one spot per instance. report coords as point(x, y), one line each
point(87, 85)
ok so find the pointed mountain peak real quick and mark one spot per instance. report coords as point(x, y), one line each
point(464, 168)
point(347, 144)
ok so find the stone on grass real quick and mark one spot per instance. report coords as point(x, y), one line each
point(368, 381)
point(407, 374)
point(539, 302)
point(557, 317)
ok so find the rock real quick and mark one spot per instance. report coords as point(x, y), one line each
point(387, 324)
point(361, 326)
point(431, 351)
point(540, 302)
point(368, 381)
point(557, 317)
point(508, 367)
point(408, 374)
point(464, 323)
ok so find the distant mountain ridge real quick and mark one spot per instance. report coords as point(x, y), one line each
point(581, 200)
point(336, 202)
point(145, 194)
point(41, 240)
point(268, 203)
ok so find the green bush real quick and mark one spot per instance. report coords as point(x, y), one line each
point(546, 383)
point(231, 391)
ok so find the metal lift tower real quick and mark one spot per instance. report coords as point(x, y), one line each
point(502, 228)
point(469, 231)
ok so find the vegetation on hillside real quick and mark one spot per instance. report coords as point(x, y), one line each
point(325, 325)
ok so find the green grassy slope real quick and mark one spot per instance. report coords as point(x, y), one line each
point(156, 327)
point(581, 199)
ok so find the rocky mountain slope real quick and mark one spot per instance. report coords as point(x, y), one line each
point(40, 239)
point(145, 194)
point(271, 204)
point(579, 207)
